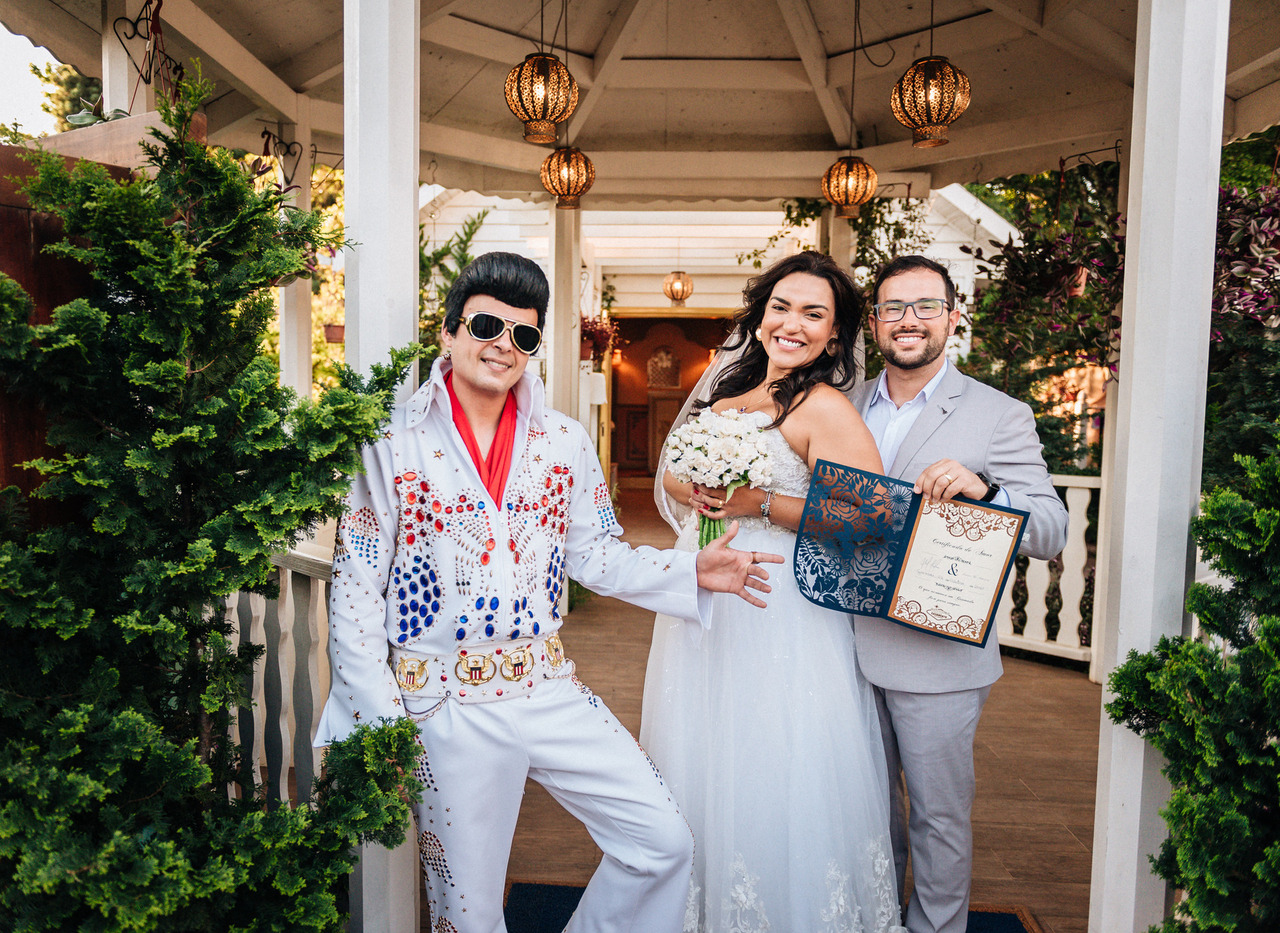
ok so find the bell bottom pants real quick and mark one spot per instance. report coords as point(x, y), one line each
point(477, 758)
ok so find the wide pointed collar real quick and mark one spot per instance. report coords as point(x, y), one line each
point(530, 396)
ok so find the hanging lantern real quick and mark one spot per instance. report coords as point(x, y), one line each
point(568, 174)
point(928, 98)
point(542, 93)
point(677, 286)
point(848, 184)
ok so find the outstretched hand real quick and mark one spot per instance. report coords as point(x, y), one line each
point(727, 570)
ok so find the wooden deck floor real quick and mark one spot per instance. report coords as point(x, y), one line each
point(1036, 759)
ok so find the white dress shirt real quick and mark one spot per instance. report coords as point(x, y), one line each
point(889, 423)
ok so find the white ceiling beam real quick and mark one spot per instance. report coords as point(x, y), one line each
point(1076, 34)
point(326, 117)
point(1249, 54)
point(494, 45)
point(314, 66)
point(953, 40)
point(613, 45)
point(1064, 129)
point(1051, 128)
point(244, 71)
point(1254, 112)
point(813, 54)
point(467, 146)
point(69, 39)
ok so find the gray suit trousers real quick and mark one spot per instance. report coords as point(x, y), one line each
point(928, 737)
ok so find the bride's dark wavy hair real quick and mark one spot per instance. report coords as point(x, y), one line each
point(749, 370)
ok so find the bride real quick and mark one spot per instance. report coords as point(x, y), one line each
point(762, 725)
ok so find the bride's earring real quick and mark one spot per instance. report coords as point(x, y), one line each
point(833, 347)
point(759, 335)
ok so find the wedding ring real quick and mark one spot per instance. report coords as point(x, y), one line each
point(753, 557)
point(948, 477)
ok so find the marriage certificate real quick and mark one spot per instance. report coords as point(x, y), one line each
point(868, 544)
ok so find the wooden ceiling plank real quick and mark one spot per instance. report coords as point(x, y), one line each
point(613, 45)
point(953, 39)
point(710, 74)
point(497, 46)
point(1075, 34)
point(813, 54)
point(432, 10)
point(244, 71)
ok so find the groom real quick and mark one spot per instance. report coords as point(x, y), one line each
point(952, 436)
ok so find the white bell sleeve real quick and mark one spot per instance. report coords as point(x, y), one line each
point(663, 581)
point(362, 687)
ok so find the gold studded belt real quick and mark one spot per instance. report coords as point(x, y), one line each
point(481, 674)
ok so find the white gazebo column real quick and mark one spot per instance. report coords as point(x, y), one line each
point(380, 98)
point(380, 106)
point(563, 333)
point(1179, 83)
point(118, 75)
point(295, 298)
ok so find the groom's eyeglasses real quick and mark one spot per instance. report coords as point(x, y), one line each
point(926, 309)
point(485, 326)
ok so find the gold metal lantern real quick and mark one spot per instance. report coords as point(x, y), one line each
point(568, 174)
point(848, 184)
point(541, 92)
point(677, 286)
point(928, 98)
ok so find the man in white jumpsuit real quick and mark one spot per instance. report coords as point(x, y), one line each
point(476, 506)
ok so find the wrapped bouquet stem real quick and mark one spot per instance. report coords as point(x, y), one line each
point(720, 450)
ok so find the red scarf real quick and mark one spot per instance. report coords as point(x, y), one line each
point(494, 470)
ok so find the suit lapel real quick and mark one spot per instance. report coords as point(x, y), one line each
point(943, 403)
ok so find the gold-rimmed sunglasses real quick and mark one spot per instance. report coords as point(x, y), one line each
point(488, 327)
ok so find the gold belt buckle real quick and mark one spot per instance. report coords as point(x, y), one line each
point(555, 651)
point(475, 668)
point(517, 664)
point(411, 674)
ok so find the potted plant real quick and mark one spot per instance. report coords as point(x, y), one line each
point(598, 336)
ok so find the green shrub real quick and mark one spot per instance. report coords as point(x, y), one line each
point(182, 465)
point(1212, 708)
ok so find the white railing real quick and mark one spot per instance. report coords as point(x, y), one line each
point(1076, 568)
point(290, 684)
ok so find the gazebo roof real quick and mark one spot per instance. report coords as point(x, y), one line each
point(738, 99)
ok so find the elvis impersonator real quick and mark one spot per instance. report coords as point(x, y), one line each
point(475, 506)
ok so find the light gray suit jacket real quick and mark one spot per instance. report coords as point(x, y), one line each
point(987, 431)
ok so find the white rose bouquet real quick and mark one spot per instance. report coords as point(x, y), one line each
point(718, 449)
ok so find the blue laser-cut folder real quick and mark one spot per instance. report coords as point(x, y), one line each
point(860, 531)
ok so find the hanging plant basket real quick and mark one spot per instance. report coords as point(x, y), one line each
point(335, 333)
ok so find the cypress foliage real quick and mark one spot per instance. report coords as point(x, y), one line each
point(184, 466)
point(1212, 708)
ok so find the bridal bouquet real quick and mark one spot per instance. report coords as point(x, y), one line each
point(718, 449)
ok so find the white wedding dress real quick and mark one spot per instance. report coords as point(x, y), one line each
point(766, 733)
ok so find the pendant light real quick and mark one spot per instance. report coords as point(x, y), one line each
point(850, 182)
point(567, 172)
point(540, 90)
point(930, 96)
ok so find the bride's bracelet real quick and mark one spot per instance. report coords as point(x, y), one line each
point(765, 505)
